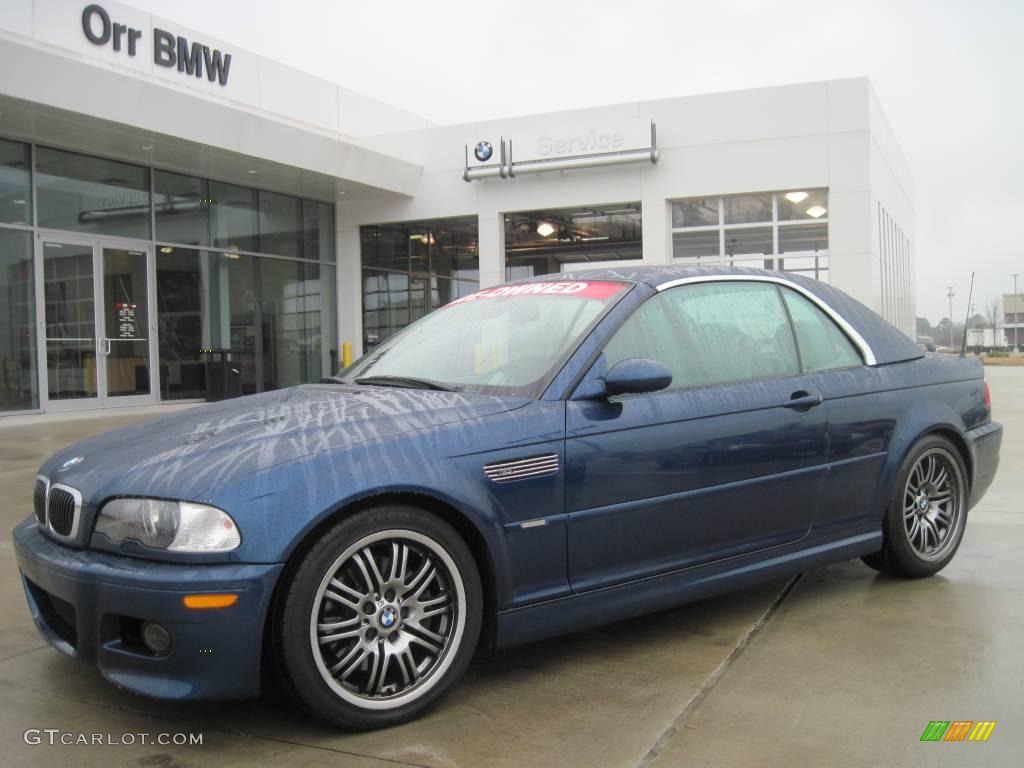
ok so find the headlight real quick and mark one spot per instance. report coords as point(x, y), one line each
point(177, 526)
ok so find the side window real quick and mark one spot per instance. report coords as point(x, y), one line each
point(711, 333)
point(823, 345)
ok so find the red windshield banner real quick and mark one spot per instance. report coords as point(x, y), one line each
point(577, 288)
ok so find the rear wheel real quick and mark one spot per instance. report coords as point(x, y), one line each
point(925, 521)
point(380, 619)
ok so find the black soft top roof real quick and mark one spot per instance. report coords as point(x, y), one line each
point(888, 344)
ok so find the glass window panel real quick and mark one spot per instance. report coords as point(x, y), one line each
point(429, 263)
point(386, 246)
point(330, 356)
point(385, 306)
point(186, 313)
point(804, 249)
point(280, 224)
point(803, 204)
point(15, 189)
point(823, 345)
point(318, 231)
point(717, 333)
point(290, 319)
point(695, 212)
point(809, 238)
point(92, 194)
point(70, 321)
point(126, 325)
point(453, 247)
point(711, 334)
point(544, 242)
point(756, 241)
point(236, 313)
point(233, 217)
point(18, 380)
point(747, 209)
point(181, 208)
point(696, 245)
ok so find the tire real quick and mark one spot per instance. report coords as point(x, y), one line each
point(927, 514)
point(379, 619)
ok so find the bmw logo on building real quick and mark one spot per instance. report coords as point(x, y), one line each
point(483, 151)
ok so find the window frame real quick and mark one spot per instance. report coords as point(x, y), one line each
point(865, 351)
point(722, 229)
point(867, 354)
point(675, 323)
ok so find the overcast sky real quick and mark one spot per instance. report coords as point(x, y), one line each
point(950, 76)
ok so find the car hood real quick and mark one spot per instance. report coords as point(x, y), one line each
point(183, 454)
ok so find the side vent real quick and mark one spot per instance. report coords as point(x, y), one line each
point(521, 469)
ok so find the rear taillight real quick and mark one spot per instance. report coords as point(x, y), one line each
point(988, 398)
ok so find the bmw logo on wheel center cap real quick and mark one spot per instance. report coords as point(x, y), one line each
point(387, 618)
point(483, 151)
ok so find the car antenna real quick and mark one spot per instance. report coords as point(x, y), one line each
point(967, 320)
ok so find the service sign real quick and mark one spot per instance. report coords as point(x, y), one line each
point(581, 141)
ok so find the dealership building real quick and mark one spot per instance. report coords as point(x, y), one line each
point(169, 201)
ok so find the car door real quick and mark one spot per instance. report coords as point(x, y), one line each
point(729, 459)
point(861, 415)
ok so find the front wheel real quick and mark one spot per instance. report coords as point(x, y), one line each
point(925, 521)
point(380, 619)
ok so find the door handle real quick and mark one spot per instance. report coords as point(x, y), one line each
point(802, 401)
point(104, 346)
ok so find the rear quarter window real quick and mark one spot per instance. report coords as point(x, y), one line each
point(823, 345)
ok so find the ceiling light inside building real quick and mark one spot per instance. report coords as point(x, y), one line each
point(229, 255)
point(167, 249)
point(796, 197)
point(18, 201)
point(816, 211)
point(544, 229)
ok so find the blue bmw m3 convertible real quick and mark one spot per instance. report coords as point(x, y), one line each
point(529, 460)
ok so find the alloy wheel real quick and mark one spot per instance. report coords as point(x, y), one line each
point(933, 504)
point(387, 619)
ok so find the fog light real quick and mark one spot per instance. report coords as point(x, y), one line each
point(156, 638)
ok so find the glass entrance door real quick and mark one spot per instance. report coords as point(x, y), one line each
point(95, 321)
point(124, 345)
point(69, 325)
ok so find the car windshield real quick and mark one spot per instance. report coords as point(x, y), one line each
point(505, 340)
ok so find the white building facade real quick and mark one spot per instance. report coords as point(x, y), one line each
point(169, 201)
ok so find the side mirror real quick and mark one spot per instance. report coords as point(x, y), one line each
point(635, 375)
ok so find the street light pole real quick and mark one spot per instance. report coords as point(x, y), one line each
point(950, 295)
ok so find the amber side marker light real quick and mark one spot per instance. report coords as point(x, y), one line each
point(209, 601)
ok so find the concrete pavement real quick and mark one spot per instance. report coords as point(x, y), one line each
point(842, 667)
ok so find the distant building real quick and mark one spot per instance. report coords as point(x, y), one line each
point(1013, 318)
point(985, 337)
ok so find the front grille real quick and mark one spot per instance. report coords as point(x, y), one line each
point(62, 511)
point(39, 500)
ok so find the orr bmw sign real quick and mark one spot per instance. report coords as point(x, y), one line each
point(191, 58)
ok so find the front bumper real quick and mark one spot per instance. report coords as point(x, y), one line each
point(91, 605)
point(984, 443)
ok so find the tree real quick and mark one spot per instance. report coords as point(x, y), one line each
point(993, 315)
